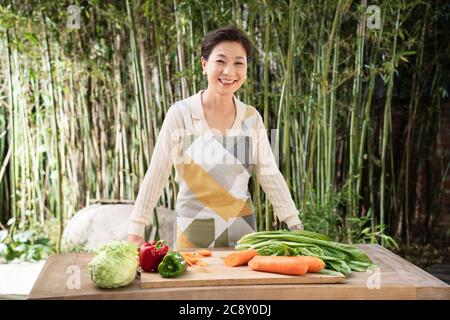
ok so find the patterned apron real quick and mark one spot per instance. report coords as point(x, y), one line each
point(214, 207)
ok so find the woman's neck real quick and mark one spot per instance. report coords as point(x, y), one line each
point(217, 102)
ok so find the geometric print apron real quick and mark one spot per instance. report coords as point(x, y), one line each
point(214, 207)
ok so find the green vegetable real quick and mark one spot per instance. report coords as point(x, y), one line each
point(340, 257)
point(114, 265)
point(330, 272)
point(172, 265)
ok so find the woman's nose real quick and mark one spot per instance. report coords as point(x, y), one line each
point(228, 69)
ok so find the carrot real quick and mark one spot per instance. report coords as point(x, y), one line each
point(204, 252)
point(201, 263)
point(192, 256)
point(188, 261)
point(192, 259)
point(314, 264)
point(239, 258)
point(190, 253)
point(279, 264)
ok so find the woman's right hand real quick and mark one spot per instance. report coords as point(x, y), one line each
point(137, 240)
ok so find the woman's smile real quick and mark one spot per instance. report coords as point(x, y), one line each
point(227, 83)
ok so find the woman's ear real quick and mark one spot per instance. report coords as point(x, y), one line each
point(204, 62)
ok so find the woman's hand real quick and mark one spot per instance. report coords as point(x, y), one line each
point(137, 240)
point(296, 227)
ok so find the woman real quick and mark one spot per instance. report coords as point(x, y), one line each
point(215, 142)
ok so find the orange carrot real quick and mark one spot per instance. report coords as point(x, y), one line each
point(192, 259)
point(314, 264)
point(279, 264)
point(190, 253)
point(204, 252)
point(201, 263)
point(240, 258)
point(187, 259)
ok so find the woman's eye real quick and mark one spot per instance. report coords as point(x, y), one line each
point(221, 61)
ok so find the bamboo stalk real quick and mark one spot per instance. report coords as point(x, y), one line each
point(55, 124)
point(11, 139)
point(288, 73)
point(193, 83)
point(413, 104)
point(119, 159)
point(180, 49)
point(367, 119)
point(312, 71)
point(386, 128)
point(267, 18)
point(141, 129)
point(355, 116)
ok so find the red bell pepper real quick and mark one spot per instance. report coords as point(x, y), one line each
point(151, 254)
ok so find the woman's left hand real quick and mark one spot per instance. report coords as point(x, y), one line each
point(297, 227)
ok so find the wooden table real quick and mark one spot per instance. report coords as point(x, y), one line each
point(65, 276)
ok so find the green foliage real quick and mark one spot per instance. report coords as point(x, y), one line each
point(95, 99)
point(326, 217)
point(26, 246)
point(76, 248)
point(361, 232)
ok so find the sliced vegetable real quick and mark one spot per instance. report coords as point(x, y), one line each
point(193, 259)
point(201, 263)
point(204, 252)
point(240, 258)
point(279, 264)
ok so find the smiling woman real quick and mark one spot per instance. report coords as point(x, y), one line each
point(226, 70)
point(214, 207)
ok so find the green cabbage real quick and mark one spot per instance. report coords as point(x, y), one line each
point(114, 265)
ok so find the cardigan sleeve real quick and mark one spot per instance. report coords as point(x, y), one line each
point(157, 174)
point(271, 179)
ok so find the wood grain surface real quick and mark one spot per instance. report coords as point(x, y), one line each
point(65, 276)
point(217, 274)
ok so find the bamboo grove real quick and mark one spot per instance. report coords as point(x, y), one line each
point(357, 109)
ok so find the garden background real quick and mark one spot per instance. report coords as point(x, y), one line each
point(361, 108)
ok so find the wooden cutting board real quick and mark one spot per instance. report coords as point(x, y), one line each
point(217, 274)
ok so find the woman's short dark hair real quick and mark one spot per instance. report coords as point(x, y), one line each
point(229, 33)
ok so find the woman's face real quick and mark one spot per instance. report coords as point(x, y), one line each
point(227, 61)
